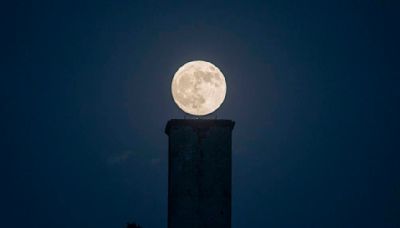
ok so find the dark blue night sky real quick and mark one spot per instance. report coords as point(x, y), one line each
point(313, 86)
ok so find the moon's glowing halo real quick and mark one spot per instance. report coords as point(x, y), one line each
point(198, 88)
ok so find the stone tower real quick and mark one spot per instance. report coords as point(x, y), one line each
point(200, 173)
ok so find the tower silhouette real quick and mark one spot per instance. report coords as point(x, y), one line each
point(199, 173)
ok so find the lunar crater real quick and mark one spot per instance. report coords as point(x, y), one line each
point(198, 88)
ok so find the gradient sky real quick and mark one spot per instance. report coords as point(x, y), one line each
point(314, 89)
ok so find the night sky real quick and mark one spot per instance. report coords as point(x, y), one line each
point(313, 87)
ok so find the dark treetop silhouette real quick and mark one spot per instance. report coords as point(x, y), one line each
point(133, 225)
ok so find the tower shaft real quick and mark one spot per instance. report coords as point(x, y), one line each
point(200, 173)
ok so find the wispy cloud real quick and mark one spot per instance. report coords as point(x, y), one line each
point(125, 155)
point(120, 157)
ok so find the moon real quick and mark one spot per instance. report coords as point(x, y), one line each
point(198, 88)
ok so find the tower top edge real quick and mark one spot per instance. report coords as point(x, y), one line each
point(199, 123)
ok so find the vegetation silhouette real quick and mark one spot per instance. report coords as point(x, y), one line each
point(133, 225)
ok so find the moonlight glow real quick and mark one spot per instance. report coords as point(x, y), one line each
point(198, 88)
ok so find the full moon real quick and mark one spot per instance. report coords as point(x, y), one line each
point(198, 88)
